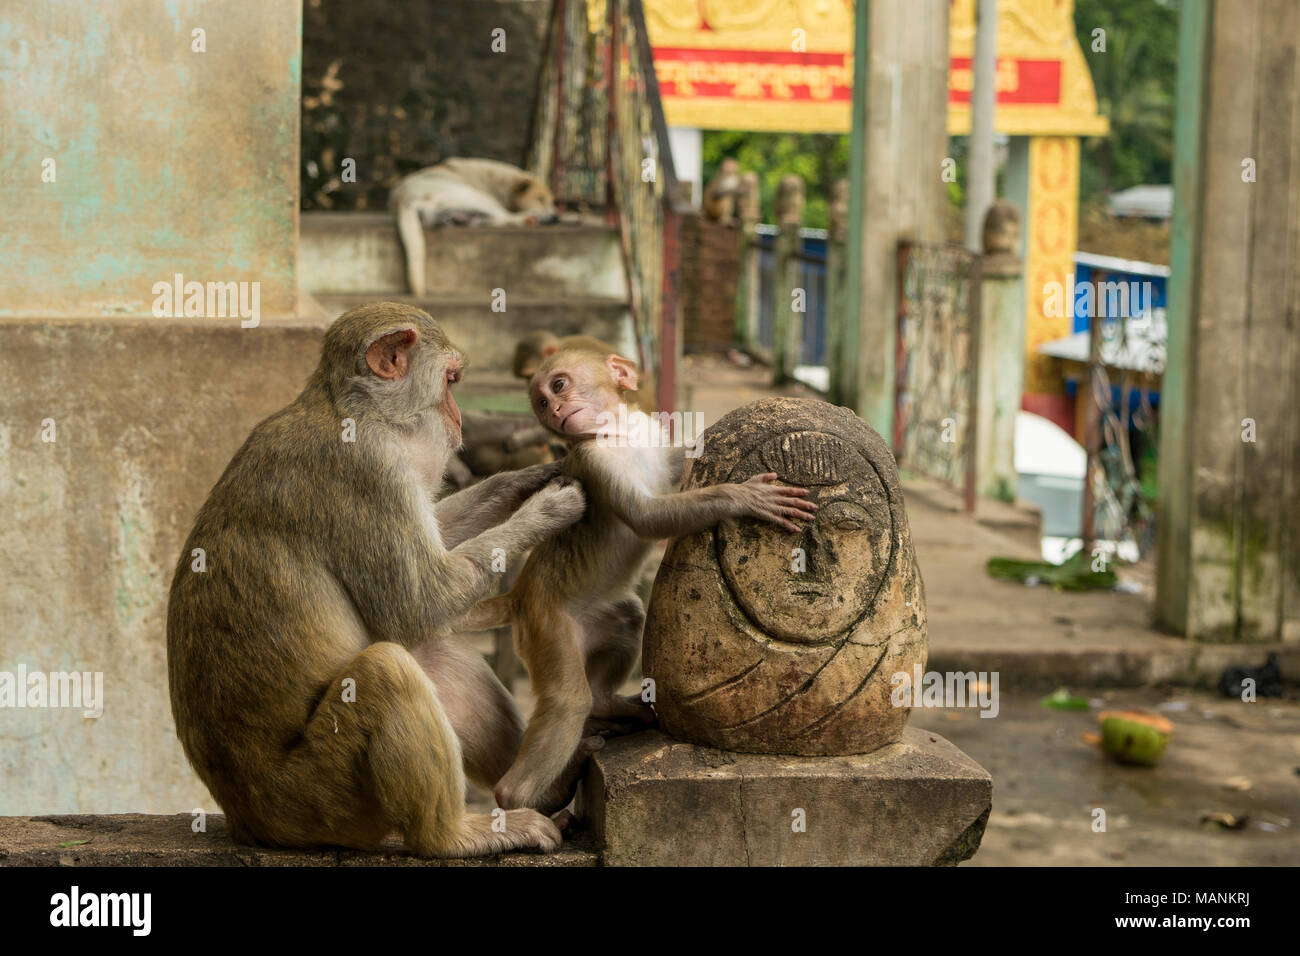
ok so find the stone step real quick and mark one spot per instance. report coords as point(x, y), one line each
point(489, 337)
point(654, 801)
point(362, 253)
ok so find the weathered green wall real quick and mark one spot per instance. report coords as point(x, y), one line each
point(114, 424)
point(166, 160)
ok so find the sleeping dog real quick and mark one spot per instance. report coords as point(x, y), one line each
point(464, 191)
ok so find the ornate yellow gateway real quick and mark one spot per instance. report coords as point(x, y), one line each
point(787, 65)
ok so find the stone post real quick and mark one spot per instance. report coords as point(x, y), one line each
point(787, 324)
point(1001, 375)
point(837, 304)
point(747, 208)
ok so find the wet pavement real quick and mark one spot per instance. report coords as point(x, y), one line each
point(1224, 756)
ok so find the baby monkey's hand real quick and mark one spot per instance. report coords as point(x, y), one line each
point(782, 505)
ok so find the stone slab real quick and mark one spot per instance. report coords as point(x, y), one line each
point(654, 801)
point(136, 839)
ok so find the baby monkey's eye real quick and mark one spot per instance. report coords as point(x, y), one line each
point(557, 385)
point(541, 403)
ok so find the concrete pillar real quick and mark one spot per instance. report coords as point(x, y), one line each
point(142, 141)
point(1229, 497)
point(900, 136)
point(982, 166)
point(1001, 375)
point(787, 321)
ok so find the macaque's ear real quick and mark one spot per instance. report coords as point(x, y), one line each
point(389, 355)
point(624, 372)
point(550, 349)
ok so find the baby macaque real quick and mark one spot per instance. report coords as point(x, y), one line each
point(576, 615)
point(536, 346)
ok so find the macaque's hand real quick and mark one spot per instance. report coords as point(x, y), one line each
point(782, 505)
point(535, 477)
point(557, 505)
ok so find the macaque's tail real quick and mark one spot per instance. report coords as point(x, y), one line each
point(494, 612)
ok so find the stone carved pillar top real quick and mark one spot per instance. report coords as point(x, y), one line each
point(789, 202)
point(768, 641)
point(1001, 239)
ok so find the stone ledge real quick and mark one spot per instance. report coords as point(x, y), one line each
point(654, 801)
point(137, 839)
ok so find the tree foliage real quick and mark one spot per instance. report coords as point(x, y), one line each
point(1135, 78)
point(819, 159)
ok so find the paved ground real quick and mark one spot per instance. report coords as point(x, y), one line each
point(1047, 782)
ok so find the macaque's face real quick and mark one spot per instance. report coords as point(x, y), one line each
point(532, 196)
point(414, 367)
point(452, 367)
point(569, 395)
point(813, 588)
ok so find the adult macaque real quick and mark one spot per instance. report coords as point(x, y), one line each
point(576, 616)
point(313, 683)
point(722, 191)
point(535, 346)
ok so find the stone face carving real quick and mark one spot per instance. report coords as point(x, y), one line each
point(767, 641)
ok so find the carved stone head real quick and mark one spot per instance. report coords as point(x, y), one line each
point(765, 640)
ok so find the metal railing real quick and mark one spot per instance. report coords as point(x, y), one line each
point(600, 139)
point(811, 277)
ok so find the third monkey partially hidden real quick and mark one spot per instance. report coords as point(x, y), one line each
point(576, 615)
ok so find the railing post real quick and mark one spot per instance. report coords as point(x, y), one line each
point(837, 302)
point(747, 272)
point(787, 326)
point(1001, 353)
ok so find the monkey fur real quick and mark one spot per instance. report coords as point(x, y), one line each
point(314, 684)
point(577, 619)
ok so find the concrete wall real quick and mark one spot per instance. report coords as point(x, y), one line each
point(114, 424)
point(146, 415)
point(165, 160)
